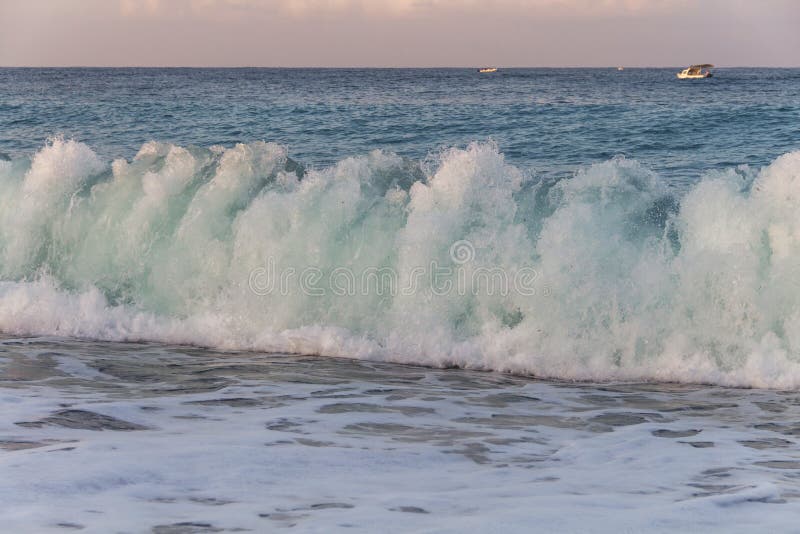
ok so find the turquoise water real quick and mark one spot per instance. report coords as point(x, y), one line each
point(570, 223)
point(552, 120)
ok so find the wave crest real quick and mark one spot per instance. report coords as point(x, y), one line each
point(626, 280)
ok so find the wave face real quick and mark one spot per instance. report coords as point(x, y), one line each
point(241, 248)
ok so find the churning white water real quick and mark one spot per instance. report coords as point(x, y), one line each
point(462, 259)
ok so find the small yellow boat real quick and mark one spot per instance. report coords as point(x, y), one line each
point(486, 70)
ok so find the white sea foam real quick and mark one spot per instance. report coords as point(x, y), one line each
point(631, 283)
point(243, 441)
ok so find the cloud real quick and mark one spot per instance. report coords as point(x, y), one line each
point(398, 32)
point(392, 8)
point(522, 7)
point(137, 8)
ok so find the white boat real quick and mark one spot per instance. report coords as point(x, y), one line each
point(487, 70)
point(696, 71)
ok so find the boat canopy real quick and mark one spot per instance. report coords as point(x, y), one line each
point(703, 66)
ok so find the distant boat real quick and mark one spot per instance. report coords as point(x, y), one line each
point(620, 68)
point(486, 70)
point(696, 71)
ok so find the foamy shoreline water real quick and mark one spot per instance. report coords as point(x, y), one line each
point(133, 437)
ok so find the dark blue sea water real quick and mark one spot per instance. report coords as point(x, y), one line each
point(549, 119)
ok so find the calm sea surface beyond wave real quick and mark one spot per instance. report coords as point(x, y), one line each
point(552, 120)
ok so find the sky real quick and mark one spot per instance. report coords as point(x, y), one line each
point(399, 33)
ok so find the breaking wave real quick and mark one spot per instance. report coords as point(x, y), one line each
point(633, 281)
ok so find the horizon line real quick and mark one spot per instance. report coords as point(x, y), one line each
point(373, 67)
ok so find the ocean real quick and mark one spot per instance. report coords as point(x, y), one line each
point(399, 299)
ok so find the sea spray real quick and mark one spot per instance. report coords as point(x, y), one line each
point(470, 261)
